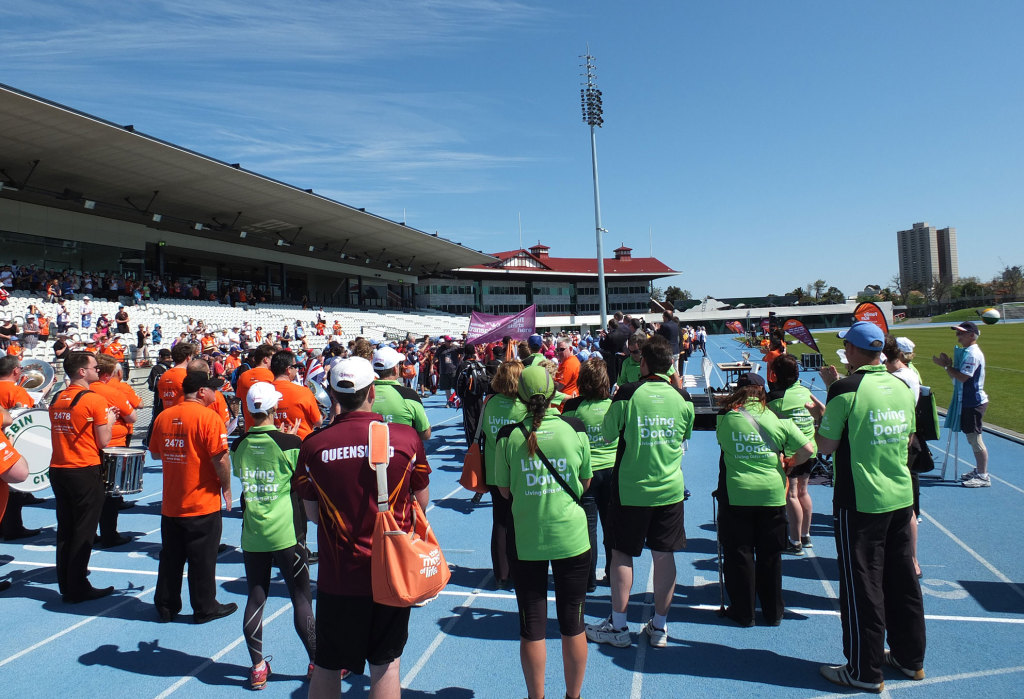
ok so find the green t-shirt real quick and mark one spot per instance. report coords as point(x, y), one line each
point(750, 470)
point(499, 410)
point(549, 525)
point(872, 414)
point(533, 359)
point(264, 460)
point(651, 419)
point(792, 404)
point(400, 404)
point(591, 413)
point(629, 372)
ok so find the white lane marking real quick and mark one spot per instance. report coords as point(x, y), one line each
point(908, 684)
point(977, 556)
point(637, 687)
point(434, 504)
point(993, 477)
point(128, 571)
point(217, 656)
point(442, 634)
point(829, 612)
point(447, 419)
point(446, 447)
point(73, 627)
point(825, 582)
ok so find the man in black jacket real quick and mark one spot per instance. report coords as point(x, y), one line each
point(613, 345)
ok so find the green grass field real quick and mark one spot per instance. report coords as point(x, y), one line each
point(1004, 373)
point(963, 314)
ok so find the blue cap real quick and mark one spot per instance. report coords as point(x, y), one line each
point(865, 336)
point(535, 342)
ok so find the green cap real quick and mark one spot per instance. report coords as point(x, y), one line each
point(534, 381)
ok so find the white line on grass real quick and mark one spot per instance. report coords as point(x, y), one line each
point(977, 556)
point(442, 634)
point(73, 627)
point(636, 690)
point(217, 656)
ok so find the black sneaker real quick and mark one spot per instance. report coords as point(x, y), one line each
point(805, 542)
point(793, 549)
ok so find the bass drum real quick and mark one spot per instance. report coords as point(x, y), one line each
point(30, 435)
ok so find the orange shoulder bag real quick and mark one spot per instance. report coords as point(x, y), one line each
point(406, 567)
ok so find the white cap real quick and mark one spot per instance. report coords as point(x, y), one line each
point(905, 344)
point(386, 358)
point(352, 374)
point(262, 397)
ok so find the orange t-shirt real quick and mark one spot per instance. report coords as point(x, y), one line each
point(8, 457)
point(567, 374)
point(120, 430)
point(770, 357)
point(186, 438)
point(44, 326)
point(230, 364)
point(169, 386)
point(15, 350)
point(71, 429)
point(297, 402)
point(14, 396)
point(245, 382)
point(220, 406)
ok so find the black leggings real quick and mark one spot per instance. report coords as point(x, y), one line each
point(502, 537)
point(531, 579)
point(295, 571)
point(595, 504)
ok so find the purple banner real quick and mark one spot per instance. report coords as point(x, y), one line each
point(798, 330)
point(484, 327)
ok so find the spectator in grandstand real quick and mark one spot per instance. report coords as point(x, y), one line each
point(30, 330)
point(651, 420)
point(85, 313)
point(590, 407)
point(789, 400)
point(8, 332)
point(102, 327)
point(751, 492)
point(121, 320)
point(53, 293)
point(63, 318)
point(142, 336)
point(550, 527)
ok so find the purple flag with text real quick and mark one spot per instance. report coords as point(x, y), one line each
point(484, 327)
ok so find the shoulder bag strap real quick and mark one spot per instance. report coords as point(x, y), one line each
point(552, 470)
point(765, 437)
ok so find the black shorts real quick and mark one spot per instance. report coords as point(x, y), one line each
point(531, 579)
point(352, 630)
point(970, 418)
point(660, 528)
point(803, 469)
point(446, 382)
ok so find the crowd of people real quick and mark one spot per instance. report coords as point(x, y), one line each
point(582, 435)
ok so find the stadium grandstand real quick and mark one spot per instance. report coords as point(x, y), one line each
point(81, 193)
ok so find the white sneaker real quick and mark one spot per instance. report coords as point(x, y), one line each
point(658, 638)
point(973, 473)
point(978, 481)
point(604, 632)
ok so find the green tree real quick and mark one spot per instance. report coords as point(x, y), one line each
point(968, 287)
point(833, 295)
point(674, 295)
point(1010, 281)
point(657, 294)
point(819, 287)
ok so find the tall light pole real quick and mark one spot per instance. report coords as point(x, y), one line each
point(593, 116)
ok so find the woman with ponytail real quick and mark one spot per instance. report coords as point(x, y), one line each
point(752, 497)
point(543, 465)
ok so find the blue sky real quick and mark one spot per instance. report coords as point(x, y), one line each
point(759, 145)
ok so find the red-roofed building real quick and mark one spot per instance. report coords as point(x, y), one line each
point(558, 285)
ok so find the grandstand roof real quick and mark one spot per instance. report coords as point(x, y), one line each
point(525, 261)
point(58, 157)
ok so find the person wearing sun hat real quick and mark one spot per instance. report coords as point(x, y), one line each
point(550, 526)
point(869, 416)
point(397, 403)
point(967, 370)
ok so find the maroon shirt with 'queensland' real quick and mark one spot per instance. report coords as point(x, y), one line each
point(333, 471)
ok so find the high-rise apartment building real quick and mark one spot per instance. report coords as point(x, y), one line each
point(927, 254)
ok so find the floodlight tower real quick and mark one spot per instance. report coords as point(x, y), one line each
point(593, 116)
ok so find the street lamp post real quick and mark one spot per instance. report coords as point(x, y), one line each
point(593, 116)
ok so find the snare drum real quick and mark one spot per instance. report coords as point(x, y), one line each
point(122, 470)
